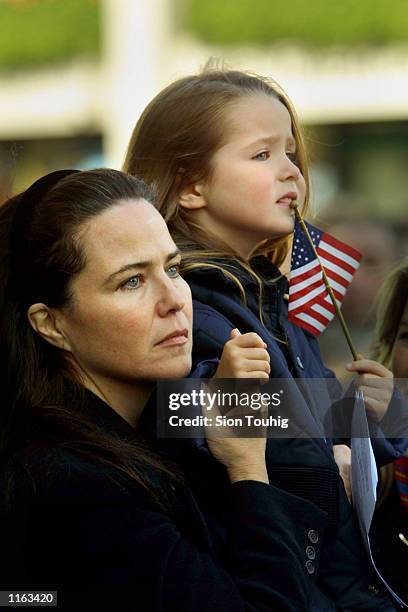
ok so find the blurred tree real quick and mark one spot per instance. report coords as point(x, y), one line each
point(37, 32)
point(314, 23)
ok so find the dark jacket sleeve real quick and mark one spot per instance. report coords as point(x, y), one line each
point(98, 543)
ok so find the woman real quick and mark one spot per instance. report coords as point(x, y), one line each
point(390, 524)
point(93, 310)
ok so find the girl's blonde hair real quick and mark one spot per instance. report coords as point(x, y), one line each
point(173, 144)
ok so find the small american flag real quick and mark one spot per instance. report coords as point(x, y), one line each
point(310, 305)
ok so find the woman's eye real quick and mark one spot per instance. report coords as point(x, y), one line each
point(132, 283)
point(262, 156)
point(174, 271)
point(403, 336)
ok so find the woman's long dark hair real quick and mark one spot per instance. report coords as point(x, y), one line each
point(43, 403)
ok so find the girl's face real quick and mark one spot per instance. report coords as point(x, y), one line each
point(254, 176)
point(400, 348)
point(129, 298)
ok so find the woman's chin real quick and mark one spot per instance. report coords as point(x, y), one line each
point(179, 369)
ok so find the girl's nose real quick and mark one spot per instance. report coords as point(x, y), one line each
point(290, 170)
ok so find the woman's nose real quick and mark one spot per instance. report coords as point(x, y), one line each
point(171, 297)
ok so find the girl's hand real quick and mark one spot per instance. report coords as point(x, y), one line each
point(376, 383)
point(342, 456)
point(244, 356)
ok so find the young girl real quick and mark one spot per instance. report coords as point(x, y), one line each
point(224, 153)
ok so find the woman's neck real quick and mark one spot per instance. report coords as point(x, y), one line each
point(128, 400)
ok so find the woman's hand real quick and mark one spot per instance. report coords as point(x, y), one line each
point(244, 356)
point(342, 456)
point(244, 458)
point(376, 383)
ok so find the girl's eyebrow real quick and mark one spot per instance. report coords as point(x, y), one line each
point(272, 140)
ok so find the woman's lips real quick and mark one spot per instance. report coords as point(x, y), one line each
point(175, 339)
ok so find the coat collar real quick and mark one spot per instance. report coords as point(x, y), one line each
point(260, 265)
point(109, 419)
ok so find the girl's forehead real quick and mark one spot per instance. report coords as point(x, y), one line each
point(257, 115)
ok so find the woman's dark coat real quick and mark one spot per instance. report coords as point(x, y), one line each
point(99, 539)
point(303, 466)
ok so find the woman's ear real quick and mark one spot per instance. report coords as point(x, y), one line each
point(192, 197)
point(46, 324)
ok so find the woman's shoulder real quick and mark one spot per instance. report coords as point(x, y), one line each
point(59, 475)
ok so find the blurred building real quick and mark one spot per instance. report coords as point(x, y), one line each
point(76, 74)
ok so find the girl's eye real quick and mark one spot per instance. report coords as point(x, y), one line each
point(132, 283)
point(262, 156)
point(293, 158)
point(174, 270)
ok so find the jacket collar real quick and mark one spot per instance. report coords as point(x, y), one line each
point(107, 418)
point(260, 264)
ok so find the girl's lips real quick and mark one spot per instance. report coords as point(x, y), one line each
point(287, 198)
point(284, 202)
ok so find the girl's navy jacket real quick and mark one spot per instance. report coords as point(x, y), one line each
point(303, 466)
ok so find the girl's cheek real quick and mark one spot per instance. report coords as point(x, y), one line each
point(302, 189)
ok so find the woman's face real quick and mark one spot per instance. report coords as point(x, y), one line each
point(131, 314)
point(400, 348)
point(254, 176)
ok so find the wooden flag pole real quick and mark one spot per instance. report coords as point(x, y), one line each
point(294, 206)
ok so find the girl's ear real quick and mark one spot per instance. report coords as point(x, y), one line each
point(192, 197)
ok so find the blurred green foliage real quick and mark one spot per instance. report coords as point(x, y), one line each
point(315, 23)
point(36, 32)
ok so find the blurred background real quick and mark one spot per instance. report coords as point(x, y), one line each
point(76, 74)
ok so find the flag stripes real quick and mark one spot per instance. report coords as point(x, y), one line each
point(310, 305)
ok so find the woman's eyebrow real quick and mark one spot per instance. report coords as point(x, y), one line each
point(140, 265)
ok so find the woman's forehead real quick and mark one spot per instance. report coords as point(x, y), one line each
point(131, 228)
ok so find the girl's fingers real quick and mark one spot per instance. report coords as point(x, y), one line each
point(375, 385)
point(251, 339)
point(254, 365)
point(260, 354)
point(368, 366)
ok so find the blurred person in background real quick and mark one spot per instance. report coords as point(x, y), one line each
point(390, 525)
point(379, 248)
